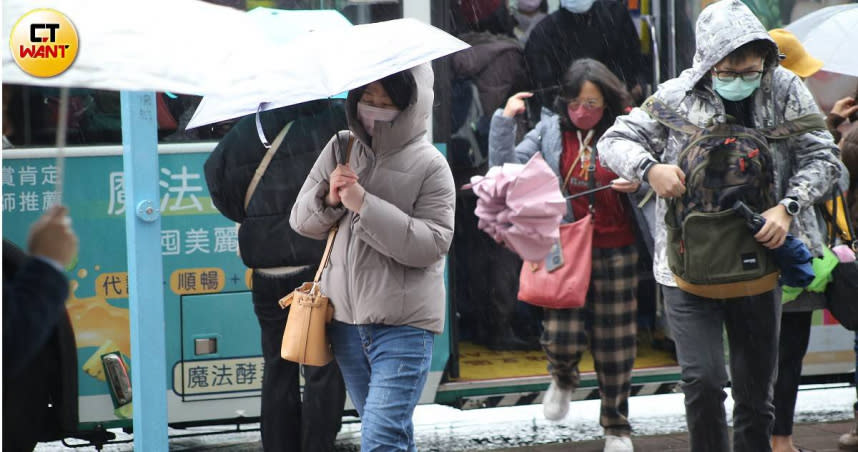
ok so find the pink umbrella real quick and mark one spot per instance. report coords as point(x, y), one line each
point(521, 206)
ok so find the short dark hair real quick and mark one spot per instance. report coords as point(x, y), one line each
point(617, 98)
point(759, 48)
point(400, 88)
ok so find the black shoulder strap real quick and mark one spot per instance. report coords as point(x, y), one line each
point(797, 126)
point(668, 116)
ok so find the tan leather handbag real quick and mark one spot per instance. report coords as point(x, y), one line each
point(304, 339)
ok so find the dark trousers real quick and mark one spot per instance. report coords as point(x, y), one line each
point(795, 335)
point(697, 325)
point(486, 300)
point(288, 424)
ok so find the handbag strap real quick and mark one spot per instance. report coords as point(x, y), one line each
point(591, 179)
point(331, 235)
point(263, 165)
point(837, 200)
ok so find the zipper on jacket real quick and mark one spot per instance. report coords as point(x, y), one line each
point(349, 266)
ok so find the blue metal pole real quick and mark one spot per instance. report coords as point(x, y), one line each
point(145, 274)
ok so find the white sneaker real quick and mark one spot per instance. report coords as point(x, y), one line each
point(618, 444)
point(555, 404)
point(849, 441)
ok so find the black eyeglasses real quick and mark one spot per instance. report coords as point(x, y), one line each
point(729, 76)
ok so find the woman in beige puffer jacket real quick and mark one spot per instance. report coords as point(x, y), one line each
point(393, 201)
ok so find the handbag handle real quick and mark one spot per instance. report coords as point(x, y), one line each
point(263, 165)
point(331, 235)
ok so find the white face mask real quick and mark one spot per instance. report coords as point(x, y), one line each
point(577, 6)
point(368, 115)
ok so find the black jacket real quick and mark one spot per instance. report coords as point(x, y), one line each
point(606, 33)
point(265, 238)
point(40, 368)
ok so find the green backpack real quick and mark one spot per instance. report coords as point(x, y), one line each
point(710, 249)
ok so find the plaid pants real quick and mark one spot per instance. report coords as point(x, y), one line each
point(609, 320)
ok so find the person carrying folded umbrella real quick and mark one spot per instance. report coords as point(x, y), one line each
point(734, 88)
point(591, 98)
point(394, 202)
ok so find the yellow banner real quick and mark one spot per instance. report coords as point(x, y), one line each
point(188, 281)
point(112, 285)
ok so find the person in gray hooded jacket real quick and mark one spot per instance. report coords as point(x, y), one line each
point(394, 202)
point(735, 77)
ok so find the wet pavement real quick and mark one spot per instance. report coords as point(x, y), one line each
point(820, 437)
point(822, 414)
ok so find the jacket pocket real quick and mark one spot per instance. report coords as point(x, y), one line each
point(719, 248)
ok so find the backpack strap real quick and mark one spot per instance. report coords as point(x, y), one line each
point(833, 220)
point(668, 116)
point(797, 126)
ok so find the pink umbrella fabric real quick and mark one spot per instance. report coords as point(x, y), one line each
point(520, 206)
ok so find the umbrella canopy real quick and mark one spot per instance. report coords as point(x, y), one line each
point(520, 206)
point(282, 26)
point(328, 62)
point(183, 46)
point(828, 35)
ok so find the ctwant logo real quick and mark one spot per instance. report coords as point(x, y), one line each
point(44, 43)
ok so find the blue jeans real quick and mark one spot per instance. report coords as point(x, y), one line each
point(385, 369)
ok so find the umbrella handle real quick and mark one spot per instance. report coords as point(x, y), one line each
point(587, 192)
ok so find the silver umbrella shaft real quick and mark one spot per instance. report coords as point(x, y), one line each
point(587, 192)
point(62, 127)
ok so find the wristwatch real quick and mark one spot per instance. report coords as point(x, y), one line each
point(791, 206)
point(645, 167)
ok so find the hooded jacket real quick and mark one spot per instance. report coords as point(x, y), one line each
point(40, 367)
point(387, 261)
point(805, 165)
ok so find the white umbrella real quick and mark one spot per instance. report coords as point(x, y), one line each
point(281, 25)
point(328, 62)
point(829, 34)
point(184, 46)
